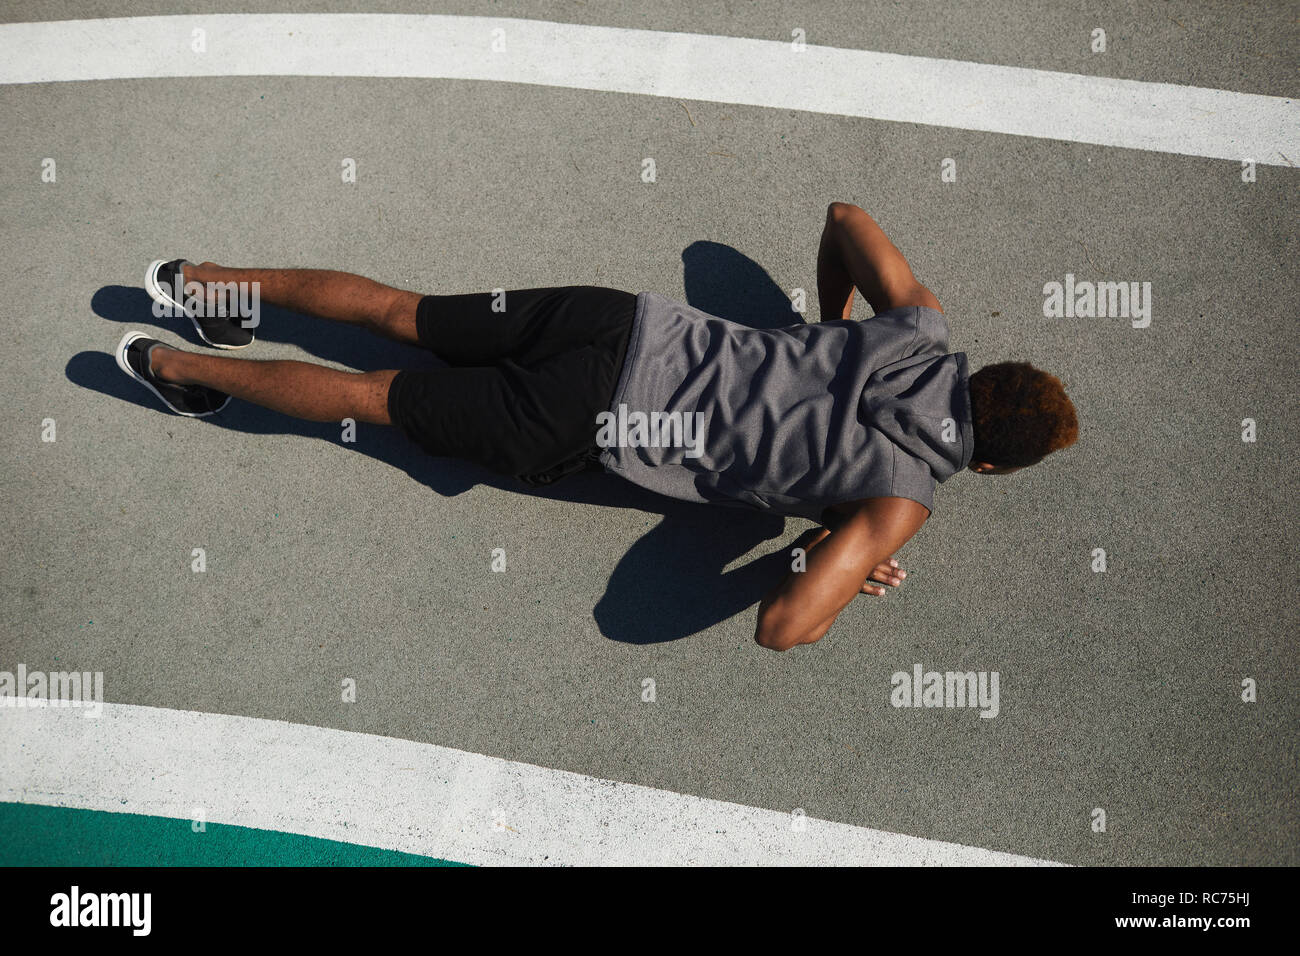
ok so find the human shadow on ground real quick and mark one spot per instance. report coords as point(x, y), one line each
point(671, 583)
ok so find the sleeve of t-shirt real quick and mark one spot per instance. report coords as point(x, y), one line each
point(924, 330)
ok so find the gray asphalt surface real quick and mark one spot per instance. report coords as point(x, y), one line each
point(1118, 690)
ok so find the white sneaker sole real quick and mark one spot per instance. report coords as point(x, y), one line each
point(163, 297)
point(125, 366)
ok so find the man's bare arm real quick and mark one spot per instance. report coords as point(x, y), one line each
point(802, 609)
point(855, 251)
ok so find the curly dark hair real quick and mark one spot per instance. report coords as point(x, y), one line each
point(1021, 414)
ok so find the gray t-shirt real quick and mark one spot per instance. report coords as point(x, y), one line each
point(789, 420)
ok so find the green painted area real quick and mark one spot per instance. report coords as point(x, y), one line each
point(32, 835)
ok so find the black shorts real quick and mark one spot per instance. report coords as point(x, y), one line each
point(526, 379)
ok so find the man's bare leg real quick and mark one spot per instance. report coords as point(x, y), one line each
point(300, 389)
point(337, 296)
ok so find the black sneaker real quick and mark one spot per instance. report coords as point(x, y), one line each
point(165, 285)
point(192, 401)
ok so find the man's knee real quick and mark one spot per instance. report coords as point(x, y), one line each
point(371, 398)
point(397, 318)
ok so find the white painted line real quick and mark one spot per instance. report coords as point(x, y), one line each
point(407, 796)
point(1192, 121)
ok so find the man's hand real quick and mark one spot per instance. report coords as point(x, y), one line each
point(886, 572)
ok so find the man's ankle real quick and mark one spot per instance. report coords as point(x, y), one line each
point(200, 272)
point(160, 359)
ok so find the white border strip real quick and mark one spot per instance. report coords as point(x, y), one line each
point(408, 796)
point(1186, 120)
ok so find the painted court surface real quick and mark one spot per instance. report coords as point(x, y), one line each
point(507, 717)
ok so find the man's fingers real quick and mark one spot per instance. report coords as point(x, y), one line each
point(887, 573)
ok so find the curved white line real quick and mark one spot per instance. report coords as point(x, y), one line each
point(1186, 120)
point(407, 796)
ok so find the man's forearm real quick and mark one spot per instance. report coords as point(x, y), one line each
point(855, 250)
point(834, 284)
point(805, 605)
point(818, 633)
point(807, 541)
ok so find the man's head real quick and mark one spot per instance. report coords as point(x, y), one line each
point(1021, 415)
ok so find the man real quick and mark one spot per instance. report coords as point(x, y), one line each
point(849, 424)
